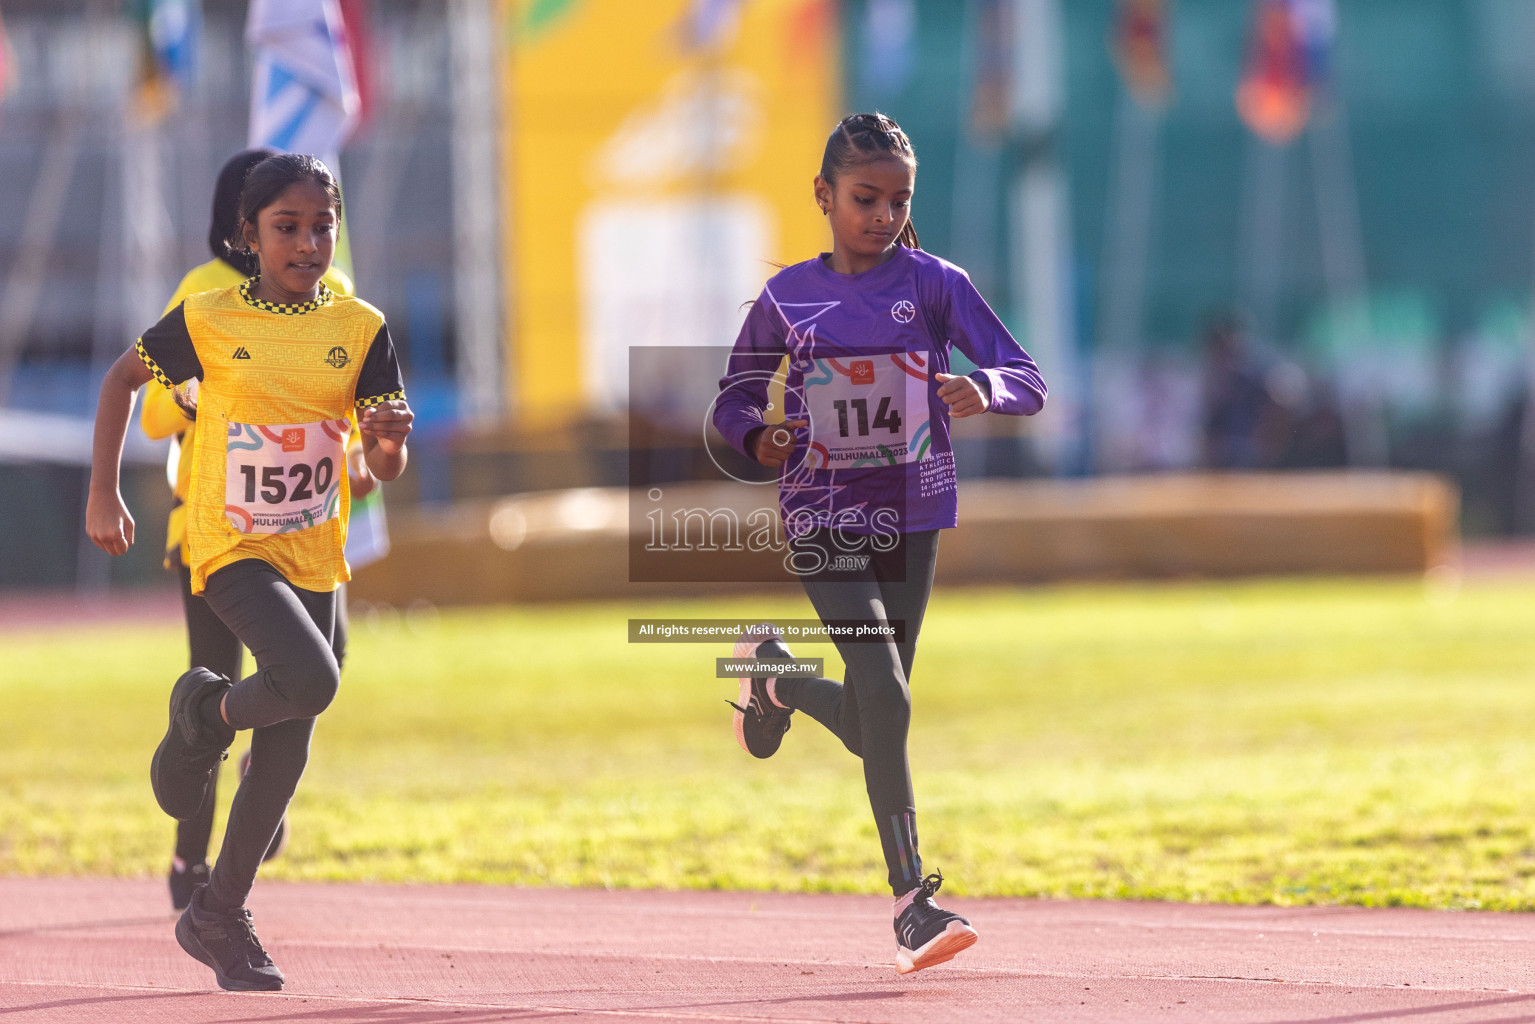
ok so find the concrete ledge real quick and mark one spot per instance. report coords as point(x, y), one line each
point(1209, 525)
point(574, 544)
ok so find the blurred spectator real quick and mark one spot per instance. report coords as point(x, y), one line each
point(1314, 436)
point(1238, 412)
point(1260, 412)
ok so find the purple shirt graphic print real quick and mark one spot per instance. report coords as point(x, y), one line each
point(862, 352)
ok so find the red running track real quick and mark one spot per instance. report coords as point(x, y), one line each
point(86, 950)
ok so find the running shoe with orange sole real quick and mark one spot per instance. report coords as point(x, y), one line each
point(760, 721)
point(925, 933)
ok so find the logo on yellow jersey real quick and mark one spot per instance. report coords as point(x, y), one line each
point(337, 357)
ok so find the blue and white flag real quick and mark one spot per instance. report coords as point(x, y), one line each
point(304, 98)
point(174, 26)
point(168, 33)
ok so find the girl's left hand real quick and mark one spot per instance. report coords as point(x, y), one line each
point(962, 395)
point(185, 396)
point(387, 423)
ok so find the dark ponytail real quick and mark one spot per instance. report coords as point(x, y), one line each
point(226, 209)
point(859, 138)
point(264, 183)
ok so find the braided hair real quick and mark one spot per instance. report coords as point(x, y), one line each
point(859, 138)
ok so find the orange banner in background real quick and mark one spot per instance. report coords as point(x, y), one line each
point(659, 160)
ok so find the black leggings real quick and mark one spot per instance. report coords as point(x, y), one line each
point(289, 631)
point(214, 647)
point(871, 712)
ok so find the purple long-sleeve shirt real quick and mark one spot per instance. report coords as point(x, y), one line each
point(862, 351)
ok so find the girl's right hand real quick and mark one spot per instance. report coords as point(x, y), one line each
point(775, 443)
point(108, 523)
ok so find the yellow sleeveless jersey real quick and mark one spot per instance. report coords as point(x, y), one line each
point(162, 417)
point(279, 386)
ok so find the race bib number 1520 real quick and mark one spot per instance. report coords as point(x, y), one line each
point(286, 477)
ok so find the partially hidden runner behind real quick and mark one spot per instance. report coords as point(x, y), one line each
point(866, 474)
point(173, 413)
point(284, 363)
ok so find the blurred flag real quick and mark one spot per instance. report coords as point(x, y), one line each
point(992, 74)
point(7, 61)
point(359, 39)
point(530, 19)
point(1140, 49)
point(1316, 22)
point(304, 96)
point(889, 45)
point(1288, 58)
point(710, 23)
point(808, 30)
point(168, 33)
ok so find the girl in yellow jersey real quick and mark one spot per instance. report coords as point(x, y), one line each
point(283, 362)
point(173, 413)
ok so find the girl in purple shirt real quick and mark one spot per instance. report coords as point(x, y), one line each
point(866, 474)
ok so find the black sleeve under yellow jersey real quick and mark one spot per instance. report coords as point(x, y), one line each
point(379, 379)
point(167, 349)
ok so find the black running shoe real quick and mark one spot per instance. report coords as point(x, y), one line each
point(184, 881)
point(186, 759)
point(228, 944)
point(280, 840)
point(759, 722)
point(926, 934)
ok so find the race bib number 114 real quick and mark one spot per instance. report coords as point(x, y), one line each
point(286, 477)
point(867, 411)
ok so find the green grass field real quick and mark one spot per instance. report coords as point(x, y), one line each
point(1296, 742)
